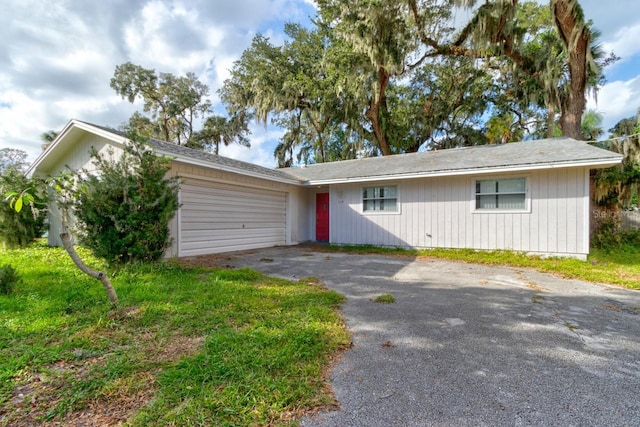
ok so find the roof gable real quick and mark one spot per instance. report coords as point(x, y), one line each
point(73, 131)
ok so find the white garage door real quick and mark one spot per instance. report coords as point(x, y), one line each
point(217, 217)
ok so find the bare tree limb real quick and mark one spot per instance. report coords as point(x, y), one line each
point(99, 275)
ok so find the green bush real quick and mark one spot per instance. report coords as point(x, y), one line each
point(8, 279)
point(123, 210)
point(21, 228)
point(609, 235)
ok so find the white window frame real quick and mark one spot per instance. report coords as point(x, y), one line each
point(527, 195)
point(370, 212)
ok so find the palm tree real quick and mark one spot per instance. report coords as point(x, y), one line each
point(591, 125)
point(564, 76)
point(48, 137)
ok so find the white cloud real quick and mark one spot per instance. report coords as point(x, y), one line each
point(16, 130)
point(57, 57)
point(617, 100)
point(624, 42)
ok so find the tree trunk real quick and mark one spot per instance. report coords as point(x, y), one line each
point(374, 112)
point(99, 275)
point(576, 37)
point(551, 121)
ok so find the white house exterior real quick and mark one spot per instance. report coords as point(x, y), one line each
point(528, 196)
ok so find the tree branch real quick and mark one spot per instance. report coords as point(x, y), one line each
point(99, 275)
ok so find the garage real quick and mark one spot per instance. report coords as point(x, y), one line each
point(220, 217)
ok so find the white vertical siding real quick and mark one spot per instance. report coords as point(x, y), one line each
point(77, 158)
point(438, 212)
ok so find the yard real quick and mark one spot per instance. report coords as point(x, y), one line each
point(188, 346)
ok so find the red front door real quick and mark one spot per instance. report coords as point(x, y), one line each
point(322, 217)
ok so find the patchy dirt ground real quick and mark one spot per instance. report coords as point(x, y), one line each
point(38, 393)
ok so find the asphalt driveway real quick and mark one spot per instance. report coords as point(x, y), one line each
point(472, 345)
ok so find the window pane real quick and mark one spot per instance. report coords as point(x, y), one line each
point(486, 202)
point(488, 186)
point(507, 194)
point(515, 185)
point(390, 192)
point(388, 205)
point(511, 201)
point(380, 198)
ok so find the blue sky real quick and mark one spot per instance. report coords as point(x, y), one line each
point(57, 57)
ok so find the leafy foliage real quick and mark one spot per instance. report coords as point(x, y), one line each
point(218, 130)
point(173, 106)
point(609, 236)
point(12, 158)
point(124, 209)
point(21, 224)
point(173, 102)
point(619, 185)
point(391, 77)
point(8, 279)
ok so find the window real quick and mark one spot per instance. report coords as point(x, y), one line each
point(501, 194)
point(380, 199)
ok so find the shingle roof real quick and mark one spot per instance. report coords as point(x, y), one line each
point(213, 159)
point(183, 153)
point(553, 152)
point(516, 156)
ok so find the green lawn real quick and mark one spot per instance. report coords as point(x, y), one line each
point(188, 346)
point(619, 266)
point(191, 346)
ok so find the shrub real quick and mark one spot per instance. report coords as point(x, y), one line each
point(609, 235)
point(8, 279)
point(21, 228)
point(124, 209)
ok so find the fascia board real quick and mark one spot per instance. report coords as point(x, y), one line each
point(57, 143)
point(594, 164)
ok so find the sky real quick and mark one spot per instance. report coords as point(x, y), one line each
point(58, 56)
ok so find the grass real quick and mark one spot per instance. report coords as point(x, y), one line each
point(385, 299)
point(188, 346)
point(619, 266)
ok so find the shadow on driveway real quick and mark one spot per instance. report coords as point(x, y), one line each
point(472, 345)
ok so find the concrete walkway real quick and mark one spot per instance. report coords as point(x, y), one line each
point(472, 345)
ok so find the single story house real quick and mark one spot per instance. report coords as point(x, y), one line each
point(529, 196)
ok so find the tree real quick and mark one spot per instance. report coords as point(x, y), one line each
point(18, 226)
point(362, 80)
point(495, 31)
point(291, 86)
point(61, 186)
point(123, 211)
point(174, 103)
point(591, 126)
point(12, 158)
point(618, 185)
point(376, 33)
point(47, 138)
point(218, 130)
point(577, 37)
